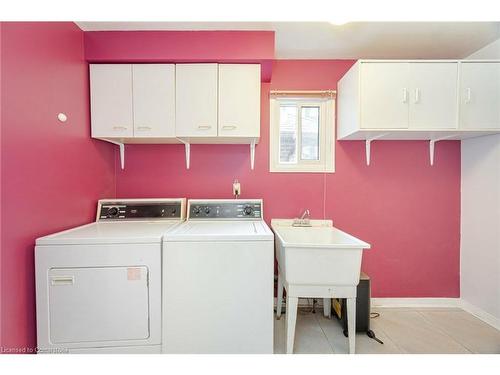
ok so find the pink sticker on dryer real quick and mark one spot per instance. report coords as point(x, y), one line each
point(133, 273)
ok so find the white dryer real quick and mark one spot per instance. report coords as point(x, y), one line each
point(98, 286)
point(218, 277)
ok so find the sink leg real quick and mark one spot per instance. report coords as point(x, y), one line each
point(327, 307)
point(291, 317)
point(351, 323)
point(279, 299)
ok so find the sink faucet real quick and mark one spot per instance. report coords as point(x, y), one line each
point(304, 220)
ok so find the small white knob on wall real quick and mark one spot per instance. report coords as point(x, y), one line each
point(62, 117)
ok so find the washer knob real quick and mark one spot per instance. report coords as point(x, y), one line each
point(207, 210)
point(248, 210)
point(113, 211)
point(196, 210)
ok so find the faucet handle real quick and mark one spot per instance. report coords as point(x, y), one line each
point(306, 213)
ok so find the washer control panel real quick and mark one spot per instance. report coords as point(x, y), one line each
point(122, 210)
point(225, 209)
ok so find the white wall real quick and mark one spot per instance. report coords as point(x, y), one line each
point(490, 51)
point(480, 221)
point(480, 217)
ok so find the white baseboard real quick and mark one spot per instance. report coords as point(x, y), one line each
point(481, 314)
point(416, 302)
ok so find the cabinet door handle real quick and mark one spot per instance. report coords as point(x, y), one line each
point(405, 95)
point(144, 128)
point(204, 127)
point(417, 95)
point(229, 127)
point(62, 280)
point(467, 95)
point(119, 128)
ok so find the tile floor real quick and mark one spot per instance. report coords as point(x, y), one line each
point(423, 331)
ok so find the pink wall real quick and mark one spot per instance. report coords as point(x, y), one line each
point(182, 46)
point(408, 210)
point(52, 173)
point(1, 69)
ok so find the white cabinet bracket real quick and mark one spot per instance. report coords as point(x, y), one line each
point(187, 147)
point(432, 143)
point(122, 152)
point(252, 154)
point(368, 144)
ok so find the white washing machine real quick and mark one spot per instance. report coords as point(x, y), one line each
point(98, 286)
point(218, 277)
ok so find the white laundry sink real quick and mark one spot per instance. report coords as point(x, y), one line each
point(316, 261)
point(317, 255)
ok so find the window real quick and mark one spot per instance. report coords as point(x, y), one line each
point(302, 134)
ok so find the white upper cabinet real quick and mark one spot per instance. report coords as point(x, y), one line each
point(132, 101)
point(384, 95)
point(173, 103)
point(479, 95)
point(408, 95)
point(413, 99)
point(111, 100)
point(430, 100)
point(239, 100)
point(196, 100)
point(433, 95)
point(154, 100)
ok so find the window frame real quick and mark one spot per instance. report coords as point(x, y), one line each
point(326, 145)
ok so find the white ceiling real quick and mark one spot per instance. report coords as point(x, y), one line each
point(323, 40)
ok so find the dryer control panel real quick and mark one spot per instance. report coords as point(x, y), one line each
point(225, 209)
point(123, 210)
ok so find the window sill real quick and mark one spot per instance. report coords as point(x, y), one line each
point(300, 170)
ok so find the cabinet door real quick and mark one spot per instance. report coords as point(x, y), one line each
point(154, 100)
point(239, 100)
point(95, 304)
point(480, 95)
point(433, 95)
point(111, 100)
point(196, 100)
point(384, 95)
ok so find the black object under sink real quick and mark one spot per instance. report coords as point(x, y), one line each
point(363, 308)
